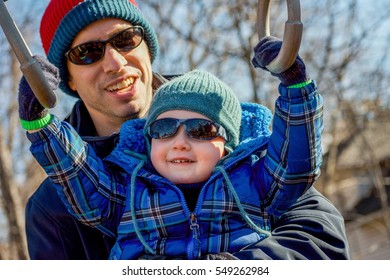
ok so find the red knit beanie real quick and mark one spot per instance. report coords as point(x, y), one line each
point(55, 12)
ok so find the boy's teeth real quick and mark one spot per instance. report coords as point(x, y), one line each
point(121, 85)
point(180, 161)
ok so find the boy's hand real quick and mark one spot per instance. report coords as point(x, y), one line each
point(267, 49)
point(30, 109)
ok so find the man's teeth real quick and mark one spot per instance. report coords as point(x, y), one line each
point(121, 85)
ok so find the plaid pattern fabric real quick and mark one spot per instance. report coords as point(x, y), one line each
point(268, 174)
point(294, 153)
point(164, 220)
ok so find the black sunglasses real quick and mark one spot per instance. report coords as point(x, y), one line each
point(195, 128)
point(91, 52)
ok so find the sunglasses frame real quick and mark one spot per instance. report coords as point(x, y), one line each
point(135, 29)
point(183, 122)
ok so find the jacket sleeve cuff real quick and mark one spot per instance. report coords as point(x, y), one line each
point(299, 91)
point(36, 124)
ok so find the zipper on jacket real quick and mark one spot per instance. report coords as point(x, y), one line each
point(193, 247)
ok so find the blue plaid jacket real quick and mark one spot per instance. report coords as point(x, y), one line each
point(123, 197)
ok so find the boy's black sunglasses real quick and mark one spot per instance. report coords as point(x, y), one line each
point(91, 52)
point(195, 128)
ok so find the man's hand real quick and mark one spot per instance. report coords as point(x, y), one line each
point(220, 256)
point(149, 257)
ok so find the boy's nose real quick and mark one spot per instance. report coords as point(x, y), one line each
point(181, 139)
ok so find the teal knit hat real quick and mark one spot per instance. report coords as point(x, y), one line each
point(201, 92)
point(64, 19)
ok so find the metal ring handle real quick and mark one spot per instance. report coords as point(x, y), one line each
point(292, 34)
point(30, 67)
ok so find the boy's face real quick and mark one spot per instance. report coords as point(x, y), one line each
point(182, 159)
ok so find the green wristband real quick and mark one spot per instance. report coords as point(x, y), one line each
point(300, 85)
point(36, 124)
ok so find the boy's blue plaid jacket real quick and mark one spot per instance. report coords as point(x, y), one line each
point(124, 197)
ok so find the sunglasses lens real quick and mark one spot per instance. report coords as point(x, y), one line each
point(196, 128)
point(86, 53)
point(163, 128)
point(128, 40)
point(201, 129)
point(92, 52)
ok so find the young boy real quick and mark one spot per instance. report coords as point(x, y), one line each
point(202, 175)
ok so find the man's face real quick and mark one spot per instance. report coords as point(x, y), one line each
point(119, 86)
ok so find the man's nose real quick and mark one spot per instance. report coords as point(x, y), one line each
point(113, 60)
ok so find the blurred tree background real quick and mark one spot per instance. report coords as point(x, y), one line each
point(346, 49)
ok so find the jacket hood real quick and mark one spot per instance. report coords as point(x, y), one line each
point(255, 127)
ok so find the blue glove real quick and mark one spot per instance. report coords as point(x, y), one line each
point(266, 50)
point(32, 114)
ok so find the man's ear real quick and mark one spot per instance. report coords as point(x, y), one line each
point(71, 84)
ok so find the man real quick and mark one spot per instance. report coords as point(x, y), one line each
point(114, 83)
